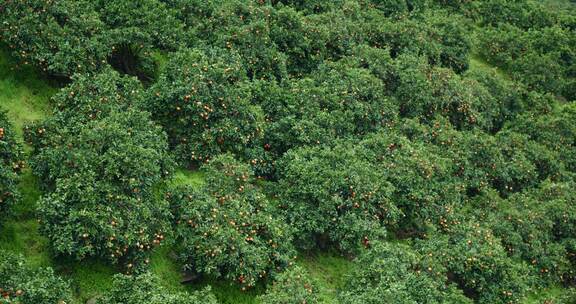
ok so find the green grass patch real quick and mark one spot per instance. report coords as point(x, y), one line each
point(164, 265)
point(479, 64)
point(22, 92)
point(555, 294)
point(23, 237)
point(330, 270)
point(30, 192)
point(188, 177)
point(89, 278)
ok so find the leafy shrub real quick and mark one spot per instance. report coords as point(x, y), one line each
point(424, 91)
point(10, 164)
point(475, 260)
point(62, 38)
point(94, 96)
point(335, 196)
point(203, 103)
point(146, 288)
point(542, 58)
point(394, 273)
point(337, 102)
point(20, 284)
point(101, 176)
point(292, 286)
point(229, 229)
point(425, 189)
point(441, 40)
point(536, 226)
point(68, 37)
point(553, 128)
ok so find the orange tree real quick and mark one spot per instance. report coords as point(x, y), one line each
point(473, 258)
point(20, 283)
point(68, 37)
point(538, 226)
point(395, 273)
point(334, 196)
point(229, 228)
point(425, 189)
point(203, 101)
point(146, 288)
point(337, 101)
point(293, 286)
point(100, 159)
point(10, 164)
point(101, 177)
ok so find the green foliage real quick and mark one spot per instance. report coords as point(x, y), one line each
point(10, 164)
point(144, 288)
point(540, 56)
point(92, 97)
point(203, 103)
point(440, 39)
point(293, 286)
point(61, 38)
point(474, 259)
point(101, 159)
point(330, 126)
point(102, 177)
point(424, 187)
point(337, 102)
point(523, 14)
point(67, 37)
point(425, 91)
point(393, 273)
point(537, 226)
point(553, 128)
point(20, 284)
point(333, 195)
point(228, 228)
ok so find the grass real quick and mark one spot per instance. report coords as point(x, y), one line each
point(188, 177)
point(25, 96)
point(550, 295)
point(329, 270)
point(22, 237)
point(560, 4)
point(88, 278)
point(163, 264)
point(479, 64)
point(22, 92)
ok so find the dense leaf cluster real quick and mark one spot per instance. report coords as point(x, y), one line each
point(21, 284)
point(145, 288)
point(293, 286)
point(375, 128)
point(100, 159)
point(394, 273)
point(11, 162)
point(67, 37)
point(229, 228)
